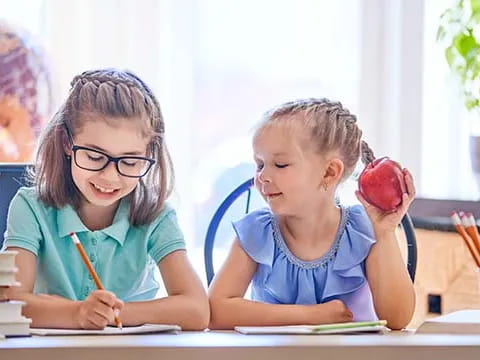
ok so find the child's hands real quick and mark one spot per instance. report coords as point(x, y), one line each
point(387, 222)
point(98, 310)
point(334, 311)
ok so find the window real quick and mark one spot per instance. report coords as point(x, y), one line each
point(446, 124)
point(217, 65)
point(249, 56)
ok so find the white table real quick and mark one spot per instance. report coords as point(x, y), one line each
point(233, 346)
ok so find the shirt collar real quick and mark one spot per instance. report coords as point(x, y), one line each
point(68, 221)
point(120, 225)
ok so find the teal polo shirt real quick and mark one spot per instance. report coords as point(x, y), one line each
point(125, 257)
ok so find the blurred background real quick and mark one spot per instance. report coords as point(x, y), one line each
point(217, 65)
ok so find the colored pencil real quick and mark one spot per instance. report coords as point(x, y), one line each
point(474, 231)
point(466, 238)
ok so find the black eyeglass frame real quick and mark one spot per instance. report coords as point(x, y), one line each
point(110, 159)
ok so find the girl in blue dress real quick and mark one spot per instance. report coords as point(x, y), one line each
point(309, 260)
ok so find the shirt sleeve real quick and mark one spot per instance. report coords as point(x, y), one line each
point(255, 235)
point(23, 229)
point(166, 236)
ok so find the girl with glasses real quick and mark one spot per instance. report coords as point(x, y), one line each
point(103, 171)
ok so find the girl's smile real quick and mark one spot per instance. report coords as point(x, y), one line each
point(272, 196)
point(104, 193)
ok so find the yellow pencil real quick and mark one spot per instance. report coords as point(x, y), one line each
point(90, 269)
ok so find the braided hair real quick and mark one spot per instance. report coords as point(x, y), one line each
point(105, 95)
point(331, 128)
point(115, 93)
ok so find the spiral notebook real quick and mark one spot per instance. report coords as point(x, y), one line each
point(340, 328)
point(129, 330)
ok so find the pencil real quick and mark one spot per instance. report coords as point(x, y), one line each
point(473, 227)
point(470, 245)
point(466, 225)
point(91, 270)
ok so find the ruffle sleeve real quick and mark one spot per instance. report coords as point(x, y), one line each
point(255, 235)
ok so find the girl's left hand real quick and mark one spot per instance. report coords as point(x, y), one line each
point(384, 222)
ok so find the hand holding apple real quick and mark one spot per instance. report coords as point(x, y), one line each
point(382, 184)
point(385, 193)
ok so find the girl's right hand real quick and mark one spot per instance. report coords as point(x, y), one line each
point(98, 310)
point(386, 222)
point(330, 312)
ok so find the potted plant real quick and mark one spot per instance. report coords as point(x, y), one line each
point(459, 30)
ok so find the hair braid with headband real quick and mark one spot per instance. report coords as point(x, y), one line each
point(332, 128)
point(128, 89)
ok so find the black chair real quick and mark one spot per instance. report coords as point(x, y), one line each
point(12, 176)
point(406, 224)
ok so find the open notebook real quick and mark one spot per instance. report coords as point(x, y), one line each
point(144, 329)
point(340, 328)
point(458, 322)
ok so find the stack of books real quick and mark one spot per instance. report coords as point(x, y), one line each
point(12, 323)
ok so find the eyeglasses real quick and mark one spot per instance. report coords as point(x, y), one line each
point(95, 160)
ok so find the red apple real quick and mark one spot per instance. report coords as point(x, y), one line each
point(381, 183)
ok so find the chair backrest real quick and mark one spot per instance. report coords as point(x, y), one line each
point(406, 223)
point(12, 176)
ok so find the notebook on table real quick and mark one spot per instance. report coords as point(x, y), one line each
point(110, 330)
point(458, 322)
point(340, 328)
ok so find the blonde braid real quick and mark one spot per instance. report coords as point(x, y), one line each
point(331, 125)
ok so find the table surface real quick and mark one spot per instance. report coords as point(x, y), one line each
point(230, 345)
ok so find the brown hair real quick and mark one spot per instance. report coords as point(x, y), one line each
point(332, 128)
point(110, 93)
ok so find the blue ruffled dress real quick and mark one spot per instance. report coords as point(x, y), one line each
point(282, 278)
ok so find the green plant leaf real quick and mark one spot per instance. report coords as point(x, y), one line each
point(446, 13)
point(461, 71)
point(475, 8)
point(450, 55)
point(462, 50)
point(471, 58)
point(464, 43)
point(472, 103)
point(475, 70)
point(441, 33)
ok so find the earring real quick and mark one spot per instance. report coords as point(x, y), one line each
point(325, 186)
